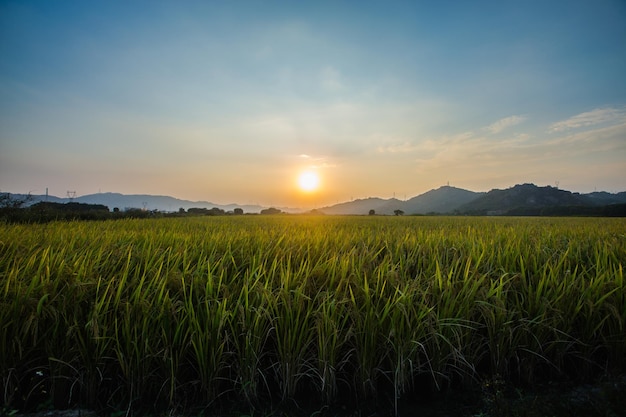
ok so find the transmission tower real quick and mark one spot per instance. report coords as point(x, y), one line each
point(71, 195)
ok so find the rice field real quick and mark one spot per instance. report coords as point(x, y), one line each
point(187, 312)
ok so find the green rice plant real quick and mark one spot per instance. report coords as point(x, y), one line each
point(614, 331)
point(455, 292)
point(333, 331)
point(11, 342)
point(188, 310)
point(132, 328)
point(292, 313)
point(371, 308)
point(410, 331)
point(249, 330)
point(208, 315)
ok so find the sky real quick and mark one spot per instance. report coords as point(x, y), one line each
point(229, 101)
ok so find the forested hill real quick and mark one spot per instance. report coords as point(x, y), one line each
point(522, 199)
point(529, 199)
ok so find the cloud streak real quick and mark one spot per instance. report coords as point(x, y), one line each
point(590, 118)
point(505, 123)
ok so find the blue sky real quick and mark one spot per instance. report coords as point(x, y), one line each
point(229, 101)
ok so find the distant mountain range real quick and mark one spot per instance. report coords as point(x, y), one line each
point(149, 202)
point(531, 199)
point(518, 200)
point(443, 200)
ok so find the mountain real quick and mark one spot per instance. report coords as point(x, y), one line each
point(359, 206)
point(149, 202)
point(602, 198)
point(529, 198)
point(390, 206)
point(445, 199)
point(522, 199)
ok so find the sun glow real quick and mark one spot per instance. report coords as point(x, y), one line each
point(308, 181)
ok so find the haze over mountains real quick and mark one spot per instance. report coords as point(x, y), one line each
point(443, 200)
point(147, 202)
point(520, 199)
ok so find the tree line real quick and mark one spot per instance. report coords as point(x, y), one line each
point(19, 210)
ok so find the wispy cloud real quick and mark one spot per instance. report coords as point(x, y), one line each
point(590, 118)
point(317, 161)
point(602, 139)
point(461, 149)
point(505, 123)
point(521, 156)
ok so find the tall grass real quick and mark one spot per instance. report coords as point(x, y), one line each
point(209, 310)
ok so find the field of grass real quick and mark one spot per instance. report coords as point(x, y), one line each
point(260, 310)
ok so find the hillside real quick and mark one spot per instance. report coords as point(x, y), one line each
point(359, 206)
point(603, 198)
point(524, 198)
point(444, 199)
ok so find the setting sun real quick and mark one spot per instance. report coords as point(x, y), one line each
point(308, 181)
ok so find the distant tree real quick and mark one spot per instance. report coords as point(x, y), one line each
point(45, 211)
point(372, 212)
point(238, 211)
point(181, 210)
point(8, 201)
point(216, 212)
point(198, 210)
point(12, 207)
point(116, 209)
point(398, 212)
point(135, 213)
point(271, 210)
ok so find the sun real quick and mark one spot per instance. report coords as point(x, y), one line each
point(308, 181)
